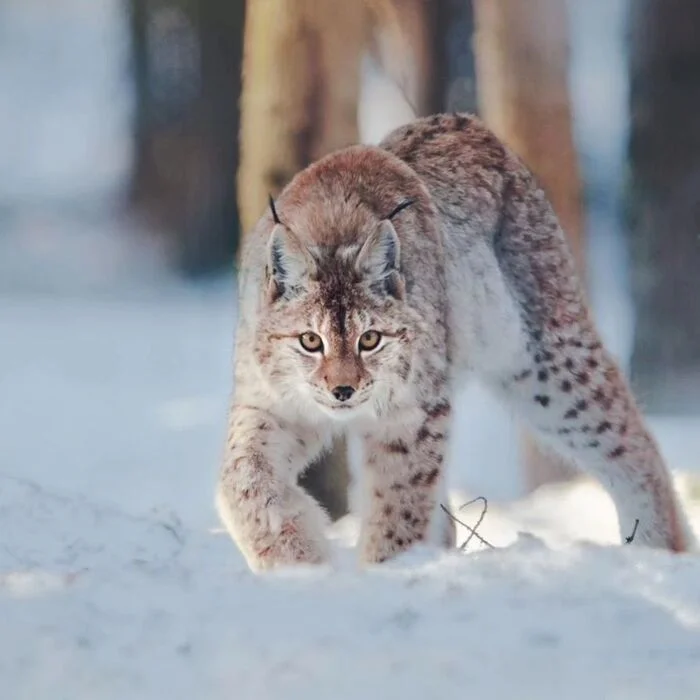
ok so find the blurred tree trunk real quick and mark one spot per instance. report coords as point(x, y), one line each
point(186, 65)
point(426, 48)
point(522, 62)
point(663, 201)
point(457, 36)
point(406, 33)
point(301, 86)
point(138, 24)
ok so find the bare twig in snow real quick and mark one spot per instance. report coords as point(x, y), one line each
point(630, 539)
point(472, 530)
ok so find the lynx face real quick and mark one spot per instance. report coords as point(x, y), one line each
point(336, 330)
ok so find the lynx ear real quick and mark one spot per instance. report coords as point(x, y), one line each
point(289, 263)
point(379, 260)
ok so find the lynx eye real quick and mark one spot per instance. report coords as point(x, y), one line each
point(369, 340)
point(311, 342)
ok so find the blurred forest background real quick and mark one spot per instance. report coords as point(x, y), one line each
point(139, 140)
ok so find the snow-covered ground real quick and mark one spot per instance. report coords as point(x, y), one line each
point(115, 580)
point(99, 604)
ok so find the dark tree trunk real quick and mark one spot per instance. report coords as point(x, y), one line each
point(426, 48)
point(455, 33)
point(663, 202)
point(186, 59)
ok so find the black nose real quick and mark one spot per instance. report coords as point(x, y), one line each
point(343, 393)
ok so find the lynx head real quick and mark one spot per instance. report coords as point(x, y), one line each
point(335, 327)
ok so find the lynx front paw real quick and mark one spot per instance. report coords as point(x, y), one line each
point(382, 542)
point(290, 546)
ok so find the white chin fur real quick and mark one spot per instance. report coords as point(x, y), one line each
point(343, 414)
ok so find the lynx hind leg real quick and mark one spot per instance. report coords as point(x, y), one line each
point(574, 396)
point(271, 519)
point(567, 387)
point(405, 486)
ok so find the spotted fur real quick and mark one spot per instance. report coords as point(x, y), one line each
point(472, 277)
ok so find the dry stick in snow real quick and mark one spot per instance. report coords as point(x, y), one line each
point(472, 530)
point(630, 539)
point(478, 522)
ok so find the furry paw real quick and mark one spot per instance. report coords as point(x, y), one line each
point(291, 546)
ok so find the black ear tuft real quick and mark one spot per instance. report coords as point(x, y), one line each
point(399, 208)
point(275, 218)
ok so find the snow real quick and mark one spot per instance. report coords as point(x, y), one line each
point(123, 399)
point(100, 604)
point(116, 580)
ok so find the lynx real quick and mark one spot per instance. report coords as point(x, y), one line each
point(381, 279)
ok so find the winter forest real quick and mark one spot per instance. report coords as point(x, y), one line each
point(139, 142)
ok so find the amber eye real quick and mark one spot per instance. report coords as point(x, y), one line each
point(369, 340)
point(311, 342)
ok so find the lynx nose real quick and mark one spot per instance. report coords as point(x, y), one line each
point(343, 393)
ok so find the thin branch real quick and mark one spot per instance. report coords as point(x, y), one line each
point(472, 531)
point(630, 539)
point(478, 522)
point(403, 89)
